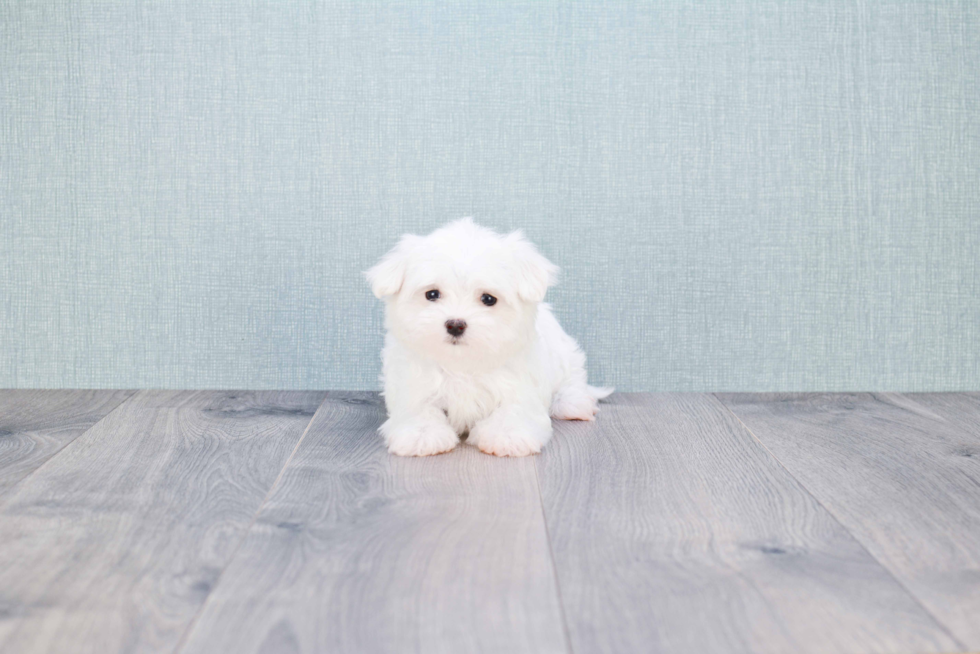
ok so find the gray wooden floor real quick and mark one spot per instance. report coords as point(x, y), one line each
point(161, 521)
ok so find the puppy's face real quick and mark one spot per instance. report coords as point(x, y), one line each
point(462, 296)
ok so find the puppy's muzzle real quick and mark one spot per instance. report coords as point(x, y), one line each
point(456, 327)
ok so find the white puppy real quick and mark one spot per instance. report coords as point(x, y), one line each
point(471, 348)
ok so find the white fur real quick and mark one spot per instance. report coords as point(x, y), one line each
point(506, 376)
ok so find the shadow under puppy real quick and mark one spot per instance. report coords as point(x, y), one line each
point(471, 348)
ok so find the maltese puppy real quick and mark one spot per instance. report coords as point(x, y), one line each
point(471, 349)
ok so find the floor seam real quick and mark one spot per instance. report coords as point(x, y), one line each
point(10, 491)
point(554, 563)
point(182, 641)
point(962, 647)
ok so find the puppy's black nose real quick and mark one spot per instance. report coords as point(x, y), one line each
point(456, 327)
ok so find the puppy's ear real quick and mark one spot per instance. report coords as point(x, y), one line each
point(534, 272)
point(388, 275)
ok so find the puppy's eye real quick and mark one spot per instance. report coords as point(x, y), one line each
point(432, 296)
point(488, 299)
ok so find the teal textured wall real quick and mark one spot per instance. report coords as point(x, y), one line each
point(743, 195)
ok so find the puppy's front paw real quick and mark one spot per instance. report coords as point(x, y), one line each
point(511, 433)
point(418, 437)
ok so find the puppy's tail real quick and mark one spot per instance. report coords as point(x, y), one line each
point(600, 392)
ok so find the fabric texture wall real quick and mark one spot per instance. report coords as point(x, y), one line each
point(742, 195)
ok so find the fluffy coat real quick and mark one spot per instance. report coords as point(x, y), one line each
point(471, 350)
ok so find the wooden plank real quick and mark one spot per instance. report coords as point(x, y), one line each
point(36, 424)
point(673, 530)
point(961, 411)
point(902, 473)
point(115, 543)
point(360, 551)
